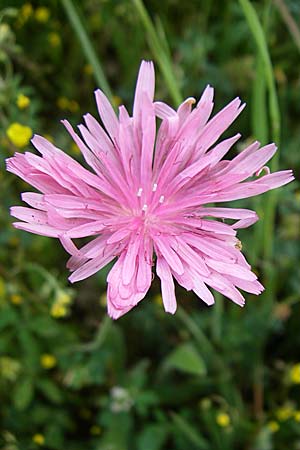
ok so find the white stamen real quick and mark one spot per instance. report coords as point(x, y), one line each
point(139, 193)
point(144, 208)
point(154, 187)
point(161, 199)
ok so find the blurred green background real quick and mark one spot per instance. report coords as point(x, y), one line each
point(220, 378)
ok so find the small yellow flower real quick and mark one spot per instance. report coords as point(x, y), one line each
point(38, 439)
point(62, 102)
point(297, 416)
point(85, 413)
point(75, 148)
point(280, 75)
point(297, 196)
point(23, 101)
point(48, 361)
point(26, 11)
point(16, 299)
point(158, 299)
point(58, 310)
point(223, 420)
point(9, 368)
point(73, 106)
point(2, 288)
point(5, 32)
point(284, 413)
point(19, 134)
point(63, 298)
point(42, 14)
point(294, 374)
point(88, 69)
point(116, 100)
point(205, 403)
point(95, 430)
point(14, 241)
point(54, 39)
point(49, 138)
point(103, 300)
point(273, 426)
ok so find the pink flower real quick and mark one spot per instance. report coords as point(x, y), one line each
point(146, 194)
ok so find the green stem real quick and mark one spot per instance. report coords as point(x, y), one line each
point(87, 47)
point(217, 317)
point(159, 51)
point(274, 112)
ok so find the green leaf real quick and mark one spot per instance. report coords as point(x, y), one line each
point(23, 393)
point(186, 359)
point(190, 433)
point(152, 437)
point(7, 317)
point(50, 390)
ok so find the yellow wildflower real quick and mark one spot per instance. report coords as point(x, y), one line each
point(88, 69)
point(85, 413)
point(54, 39)
point(62, 102)
point(38, 439)
point(297, 196)
point(19, 134)
point(48, 361)
point(297, 416)
point(294, 374)
point(5, 32)
point(205, 403)
point(49, 137)
point(95, 430)
point(223, 419)
point(63, 298)
point(14, 241)
point(103, 300)
point(273, 426)
point(16, 299)
point(2, 287)
point(26, 11)
point(42, 14)
point(73, 106)
point(158, 299)
point(9, 368)
point(23, 101)
point(284, 413)
point(75, 148)
point(58, 310)
point(116, 100)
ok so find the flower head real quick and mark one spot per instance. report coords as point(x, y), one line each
point(223, 419)
point(294, 374)
point(48, 361)
point(146, 194)
point(23, 102)
point(19, 134)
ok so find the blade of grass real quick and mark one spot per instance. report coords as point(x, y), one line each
point(87, 47)
point(159, 51)
point(274, 113)
point(261, 132)
point(290, 22)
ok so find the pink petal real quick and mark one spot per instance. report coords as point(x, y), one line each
point(167, 285)
point(145, 84)
point(108, 116)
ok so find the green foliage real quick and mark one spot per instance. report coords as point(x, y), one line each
point(217, 378)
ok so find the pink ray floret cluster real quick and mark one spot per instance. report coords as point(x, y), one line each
point(146, 195)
